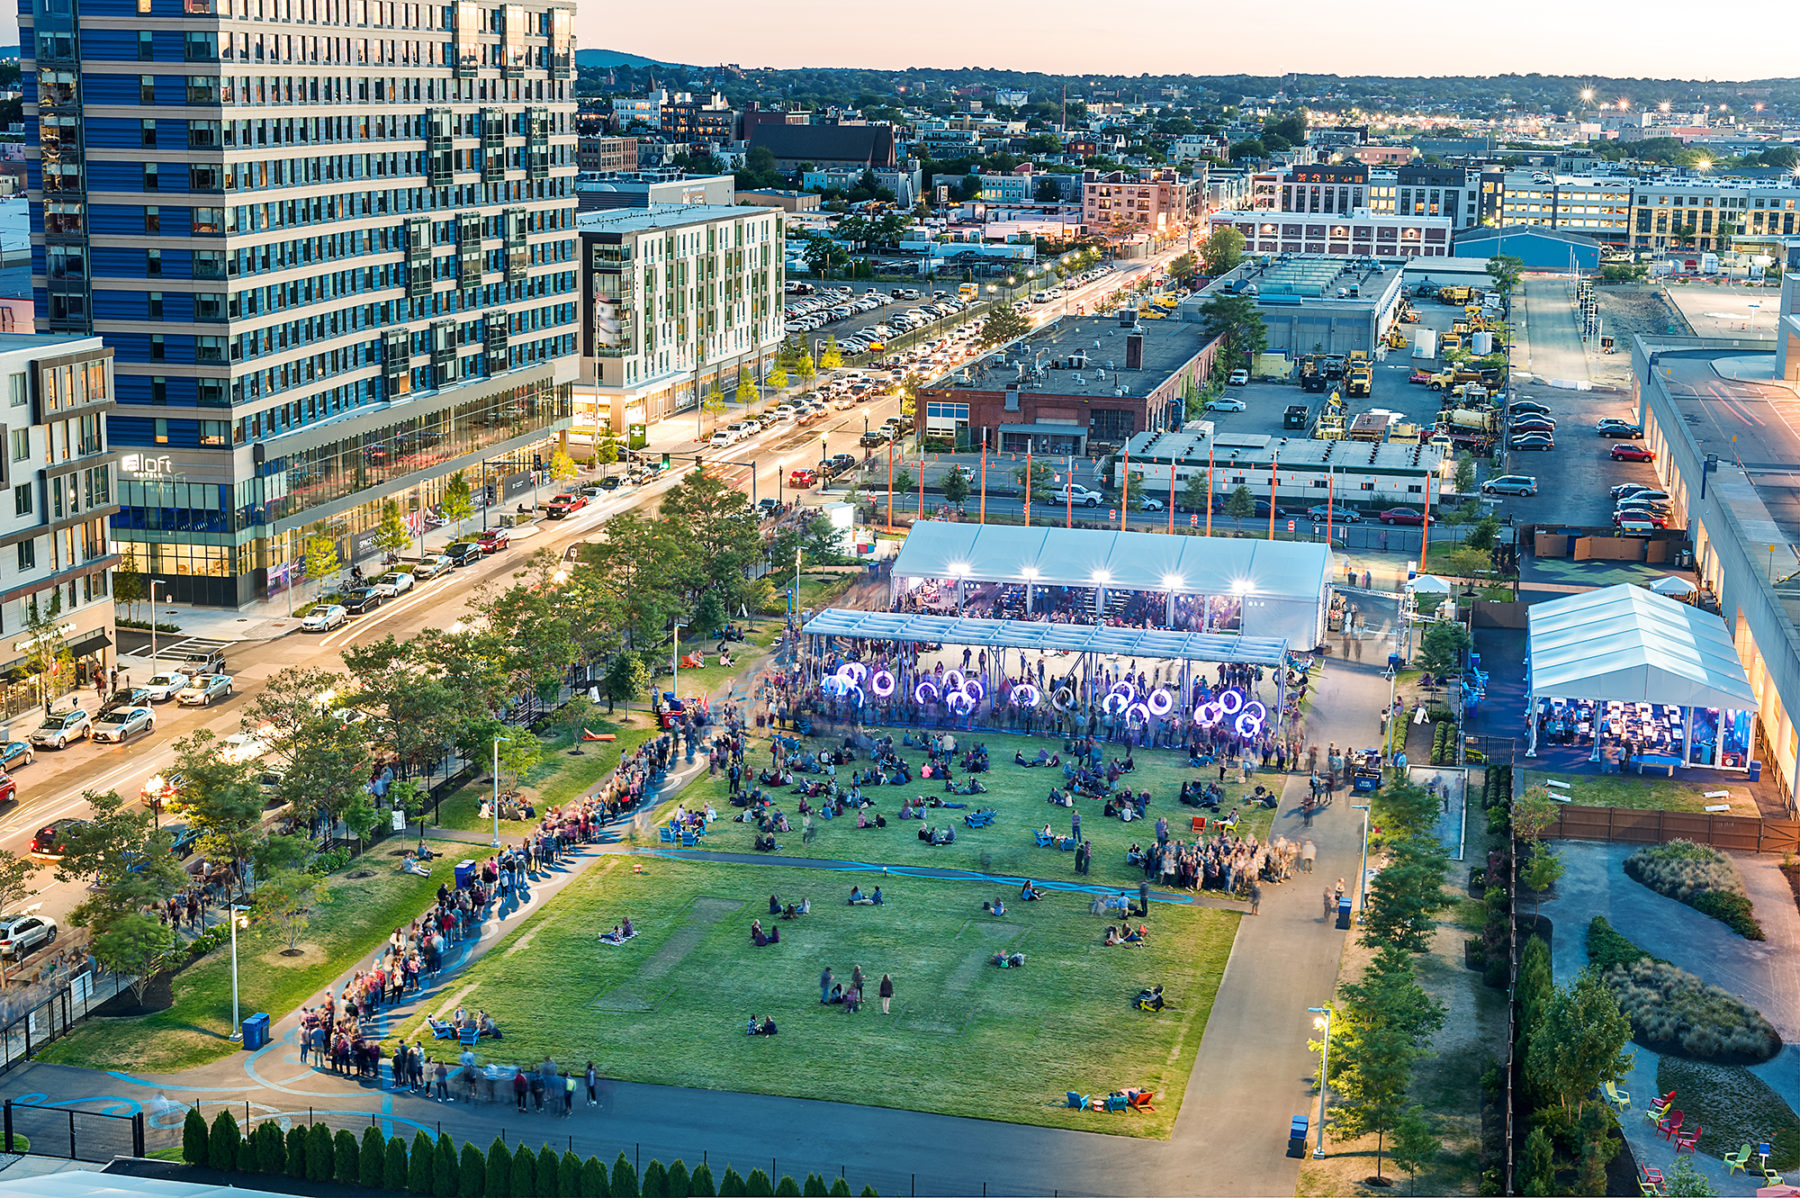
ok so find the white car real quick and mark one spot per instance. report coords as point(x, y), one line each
point(721, 440)
point(324, 619)
point(394, 582)
point(121, 723)
point(203, 690)
point(1226, 405)
point(240, 747)
point(163, 687)
point(23, 934)
point(1239, 378)
point(1148, 504)
point(431, 567)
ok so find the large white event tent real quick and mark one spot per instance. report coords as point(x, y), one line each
point(1627, 645)
point(1284, 586)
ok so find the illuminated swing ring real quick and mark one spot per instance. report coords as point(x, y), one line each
point(852, 688)
point(1208, 715)
point(972, 687)
point(1248, 725)
point(882, 684)
point(953, 680)
point(1126, 689)
point(959, 702)
point(1063, 699)
point(919, 693)
point(1161, 702)
point(1255, 709)
point(1137, 715)
point(1114, 703)
point(853, 671)
point(1231, 702)
point(1026, 695)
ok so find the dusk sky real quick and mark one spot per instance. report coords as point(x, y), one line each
point(1399, 37)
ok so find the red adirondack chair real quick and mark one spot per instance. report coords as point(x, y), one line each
point(1671, 1124)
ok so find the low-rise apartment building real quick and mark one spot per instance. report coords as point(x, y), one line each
point(595, 154)
point(674, 299)
point(1360, 232)
point(1147, 201)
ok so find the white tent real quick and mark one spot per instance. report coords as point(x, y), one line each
point(1285, 585)
point(1625, 644)
point(1670, 585)
point(1428, 584)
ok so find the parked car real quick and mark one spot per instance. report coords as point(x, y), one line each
point(52, 840)
point(875, 438)
point(1337, 512)
point(121, 723)
point(130, 696)
point(59, 728)
point(494, 540)
point(388, 586)
point(1624, 489)
point(24, 934)
point(1079, 495)
point(9, 790)
point(1632, 453)
point(1402, 515)
point(1639, 491)
point(1527, 406)
point(1227, 405)
point(362, 600)
point(1619, 429)
point(182, 840)
point(1653, 519)
point(564, 505)
point(1238, 378)
point(611, 482)
point(1533, 441)
point(1150, 503)
point(767, 506)
point(1510, 484)
point(163, 687)
point(1534, 424)
point(203, 690)
point(430, 567)
point(463, 553)
point(802, 477)
point(15, 751)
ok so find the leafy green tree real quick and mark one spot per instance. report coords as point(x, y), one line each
point(246, 1160)
point(271, 1149)
point(549, 1168)
point(903, 481)
point(626, 679)
point(1580, 1044)
point(320, 1155)
point(956, 486)
point(831, 357)
point(130, 870)
point(714, 403)
point(815, 1186)
point(1406, 894)
point(606, 448)
point(568, 1175)
point(1004, 323)
point(1684, 1180)
point(679, 1185)
point(47, 654)
point(472, 1174)
point(1184, 267)
point(288, 892)
point(223, 796)
point(347, 1158)
point(129, 584)
point(1222, 251)
point(524, 1171)
point(458, 503)
point(1442, 647)
point(701, 1185)
point(1505, 271)
point(757, 1185)
point(193, 1138)
point(655, 1180)
point(1536, 1174)
point(298, 1137)
point(787, 1187)
point(805, 370)
point(1236, 319)
point(1239, 504)
point(777, 378)
point(624, 1179)
point(562, 466)
point(1196, 495)
point(593, 1179)
point(1371, 1071)
point(17, 882)
point(393, 1173)
point(840, 1188)
point(420, 1164)
point(319, 557)
point(446, 1171)
point(731, 1183)
point(392, 535)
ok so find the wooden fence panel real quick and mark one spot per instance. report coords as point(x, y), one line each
point(1622, 825)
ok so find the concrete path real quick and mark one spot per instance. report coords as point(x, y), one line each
point(1548, 336)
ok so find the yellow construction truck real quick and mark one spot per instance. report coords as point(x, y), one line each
point(1457, 296)
point(1358, 380)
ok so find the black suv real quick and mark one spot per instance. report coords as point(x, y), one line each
point(463, 552)
point(362, 599)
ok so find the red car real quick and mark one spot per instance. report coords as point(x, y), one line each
point(562, 505)
point(1421, 377)
point(802, 477)
point(9, 790)
point(1632, 453)
point(494, 540)
point(1402, 515)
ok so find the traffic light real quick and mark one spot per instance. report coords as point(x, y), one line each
point(665, 461)
point(488, 494)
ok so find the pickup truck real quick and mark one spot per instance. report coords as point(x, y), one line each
point(1077, 494)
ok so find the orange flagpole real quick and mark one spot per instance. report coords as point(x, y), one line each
point(983, 517)
point(1330, 490)
point(1171, 492)
point(1028, 486)
point(1209, 485)
point(921, 486)
point(1068, 495)
point(1425, 529)
point(1274, 473)
point(1125, 488)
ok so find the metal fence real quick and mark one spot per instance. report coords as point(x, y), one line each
point(46, 1012)
point(72, 1134)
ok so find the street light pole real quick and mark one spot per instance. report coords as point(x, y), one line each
point(1323, 1021)
point(1362, 874)
point(154, 583)
point(495, 805)
point(237, 1025)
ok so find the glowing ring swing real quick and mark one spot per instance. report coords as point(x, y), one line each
point(1231, 702)
point(1208, 715)
point(1160, 702)
point(1137, 715)
point(1126, 689)
point(956, 685)
point(972, 687)
point(1061, 703)
point(919, 693)
point(882, 684)
point(959, 702)
point(1026, 695)
point(1114, 703)
point(853, 672)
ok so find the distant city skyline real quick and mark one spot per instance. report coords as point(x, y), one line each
point(1075, 37)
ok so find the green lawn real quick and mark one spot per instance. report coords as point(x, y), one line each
point(352, 922)
point(559, 777)
point(1649, 793)
point(1008, 846)
point(670, 1006)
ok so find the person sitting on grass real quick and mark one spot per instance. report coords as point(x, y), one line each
point(996, 908)
point(765, 842)
point(859, 899)
point(852, 999)
point(774, 904)
point(837, 994)
point(487, 1026)
point(1030, 893)
point(1008, 960)
point(875, 899)
point(411, 866)
point(760, 938)
point(1136, 936)
point(1112, 936)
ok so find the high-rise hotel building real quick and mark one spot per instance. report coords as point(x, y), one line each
point(332, 246)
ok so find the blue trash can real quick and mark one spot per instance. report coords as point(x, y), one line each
point(465, 874)
point(1297, 1136)
point(1343, 914)
point(256, 1032)
point(1756, 771)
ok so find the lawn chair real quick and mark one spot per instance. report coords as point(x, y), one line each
point(1659, 1107)
point(1649, 1189)
point(1619, 1098)
point(1198, 823)
point(440, 1030)
point(1686, 1140)
point(668, 834)
point(688, 839)
point(1141, 1100)
point(1672, 1124)
point(1772, 1178)
point(470, 1037)
point(1081, 1102)
point(1044, 841)
point(1116, 1102)
point(1740, 1162)
point(1651, 1174)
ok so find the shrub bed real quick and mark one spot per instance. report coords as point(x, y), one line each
point(1734, 1107)
point(1673, 1011)
point(1700, 876)
point(1607, 948)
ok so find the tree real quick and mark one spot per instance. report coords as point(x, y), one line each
point(1416, 1146)
point(499, 1169)
point(392, 535)
point(1465, 468)
point(804, 369)
point(1184, 267)
point(223, 795)
point(758, 1185)
point(129, 868)
point(458, 502)
point(679, 1185)
point(956, 486)
point(419, 1163)
point(47, 655)
point(1442, 647)
point(1484, 535)
point(714, 403)
point(1505, 270)
point(1579, 1045)
point(549, 1166)
point(296, 1151)
point(831, 357)
point(568, 1175)
point(193, 1138)
point(1683, 1180)
point(777, 378)
point(222, 1141)
point(471, 1181)
point(371, 1158)
point(1543, 871)
point(1222, 251)
point(701, 1184)
point(626, 678)
point(903, 481)
point(289, 891)
point(1196, 493)
point(129, 583)
point(1239, 504)
point(1004, 323)
point(593, 1178)
point(1536, 1174)
point(1466, 562)
point(1237, 320)
point(518, 756)
point(624, 1179)
point(606, 448)
point(444, 1167)
point(1371, 1070)
point(655, 1182)
point(393, 1171)
point(1406, 894)
point(908, 390)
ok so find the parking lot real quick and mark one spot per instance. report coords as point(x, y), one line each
point(1573, 479)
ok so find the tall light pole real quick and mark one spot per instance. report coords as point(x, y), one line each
point(237, 1025)
point(1362, 873)
point(1322, 1019)
point(154, 583)
point(495, 804)
point(675, 661)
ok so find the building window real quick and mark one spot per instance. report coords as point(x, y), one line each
point(153, 303)
point(15, 385)
point(162, 431)
point(150, 176)
point(27, 555)
point(21, 444)
point(22, 499)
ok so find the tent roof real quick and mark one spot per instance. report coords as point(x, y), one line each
point(1038, 634)
point(1627, 643)
point(1139, 561)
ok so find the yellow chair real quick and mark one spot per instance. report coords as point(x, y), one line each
point(1619, 1098)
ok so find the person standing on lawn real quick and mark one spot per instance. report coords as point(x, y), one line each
point(887, 993)
point(825, 980)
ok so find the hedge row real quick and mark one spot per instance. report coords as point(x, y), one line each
point(437, 1170)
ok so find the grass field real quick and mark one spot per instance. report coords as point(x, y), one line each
point(559, 777)
point(352, 922)
point(1008, 846)
point(670, 1006)
point(1647, 793)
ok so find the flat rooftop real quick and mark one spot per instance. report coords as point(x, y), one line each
point(1298, 452)
point(1750, 422)
point(1045, 361)
point(672, 216)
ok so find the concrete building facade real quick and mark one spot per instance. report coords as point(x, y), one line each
point(1155, 202)
point(1357, 232)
